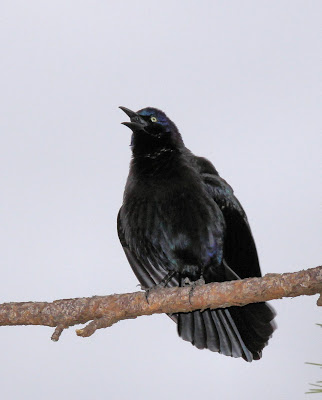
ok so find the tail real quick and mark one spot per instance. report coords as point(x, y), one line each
point(234, 331)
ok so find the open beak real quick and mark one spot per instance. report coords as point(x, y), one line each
point(137, 122)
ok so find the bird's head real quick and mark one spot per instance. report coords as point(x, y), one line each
point(152, 130)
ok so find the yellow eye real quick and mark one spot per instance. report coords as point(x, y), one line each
point(153, 119)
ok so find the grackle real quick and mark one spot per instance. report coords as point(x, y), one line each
point(180, 224)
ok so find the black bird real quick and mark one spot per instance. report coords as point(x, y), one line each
point(180, 223)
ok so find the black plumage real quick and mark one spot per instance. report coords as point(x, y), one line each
point(181, 222)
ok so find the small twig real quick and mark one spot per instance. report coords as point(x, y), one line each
point(103, 322)
point(104, 311)
point(58, 331)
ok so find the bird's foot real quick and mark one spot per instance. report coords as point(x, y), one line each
point(152, 289)
point(162, 284)
point(192, 284)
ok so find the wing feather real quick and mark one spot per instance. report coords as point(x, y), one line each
point(239, 247)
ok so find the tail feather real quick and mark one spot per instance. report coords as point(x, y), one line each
point(224, 339)
point(213, 342)
point(186, 328)
point(200, 336)
point(255, 322)
point(238, 342)
point(235, 331)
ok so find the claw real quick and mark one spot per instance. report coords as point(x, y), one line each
point(191, 293)
point(186, 282)
point(164, 282)
point(160, 285)
point(147, 292)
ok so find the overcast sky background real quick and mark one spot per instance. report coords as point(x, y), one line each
point(240, 80)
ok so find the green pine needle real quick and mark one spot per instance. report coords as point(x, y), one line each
point(317, 384)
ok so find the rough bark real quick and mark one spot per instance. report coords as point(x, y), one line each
point(104, 311)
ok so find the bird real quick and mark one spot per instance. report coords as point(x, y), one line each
point(180, 224)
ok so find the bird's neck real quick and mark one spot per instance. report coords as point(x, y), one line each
point(157, 162)
point(153, 156)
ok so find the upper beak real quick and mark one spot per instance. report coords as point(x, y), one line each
point(129, 112)
point(137, 122)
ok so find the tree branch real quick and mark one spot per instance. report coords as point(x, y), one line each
point(104, 311)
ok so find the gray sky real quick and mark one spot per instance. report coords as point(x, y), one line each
point(240, 80)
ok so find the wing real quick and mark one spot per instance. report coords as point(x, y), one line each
point(152, 271)
point(151, 274)
point(239, 247)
